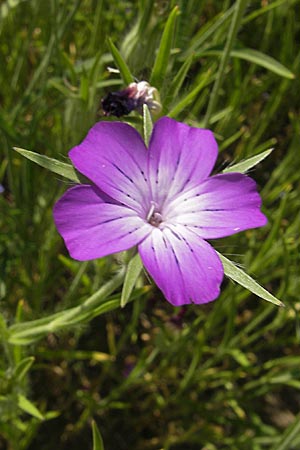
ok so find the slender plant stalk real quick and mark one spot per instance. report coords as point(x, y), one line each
point(236, 21)
point(30, 331)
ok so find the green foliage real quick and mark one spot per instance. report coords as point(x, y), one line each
point(253, 56)
point(147, 124)
point(221, 376)
point(238, 12)
point(133, 271)
point(163, 55)
point(249, 163)
point(97, 439)
point(28, 407)
point(120, 63)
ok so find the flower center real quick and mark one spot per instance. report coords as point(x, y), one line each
point(154, 217)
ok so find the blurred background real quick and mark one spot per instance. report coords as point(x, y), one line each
point(220, 376)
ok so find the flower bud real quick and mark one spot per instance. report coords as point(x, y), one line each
point(132, 98)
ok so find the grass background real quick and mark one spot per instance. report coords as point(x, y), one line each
point(220, 376)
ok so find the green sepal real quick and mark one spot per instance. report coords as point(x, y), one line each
point(134, 269)
point(147, 124)
point(61, 168)
point(244, 166)
point(239, 276)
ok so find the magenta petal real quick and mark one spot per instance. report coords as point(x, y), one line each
point(92, 229)
point(186, 268)
point(113, 155)
point(179, 157)
point(221, 206)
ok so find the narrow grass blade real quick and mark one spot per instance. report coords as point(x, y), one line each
point(178, 80)
point(239, 9)
point(163, 55)
point(43, 65)
point(29, 407)
point(120, 63)
point(133, 271)
point(208, 30)
point(242, 278)
point(97, 438)
point(147, 124)
point(63, 169)
point(244, 166)
point(292, 432)
point(268, 7)
point(23, 367)
point(255, 57)
point(191, 96)
point(97, 29)
point(263, 60)
point(137, 32)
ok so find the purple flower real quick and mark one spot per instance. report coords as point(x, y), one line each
point(162, 200)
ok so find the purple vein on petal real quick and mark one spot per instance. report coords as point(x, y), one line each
point(179, 157)
point(114, 157)
point(185, 267)
point(92, 229)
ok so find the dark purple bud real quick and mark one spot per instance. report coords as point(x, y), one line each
point(132, 98)
point(118, 103)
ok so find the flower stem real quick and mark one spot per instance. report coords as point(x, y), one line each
point(27, 332)
point(235, 23)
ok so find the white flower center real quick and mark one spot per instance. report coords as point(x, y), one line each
point(154, 216)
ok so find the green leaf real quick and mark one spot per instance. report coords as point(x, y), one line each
point(248, 163)
point(164, 51)
point(242, 278)
point(256, 57)
point(239, 356)
point(63, 169)
point(29, 407)
point(263, 60)
point(97, 438)
point(147, 124)
point(120, 63)
point(133, 271)
point(23, 367)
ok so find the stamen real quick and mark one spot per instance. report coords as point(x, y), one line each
point(151, 211)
